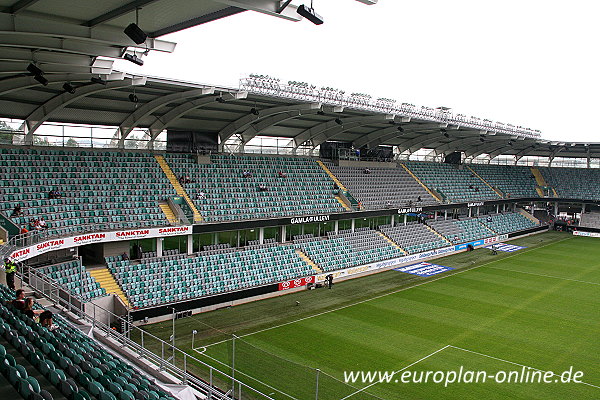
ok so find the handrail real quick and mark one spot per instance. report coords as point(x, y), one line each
point(52, 290)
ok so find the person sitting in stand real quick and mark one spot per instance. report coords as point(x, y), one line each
point(388, 204)
point(42, 223)
point(51, 194)
point(419, 199)
point(124, 256)
point(28, 308)
point(19, 301)
point(24, 230)
point(282, 174)
point(17, 211)
point(262, 188)
point(489, 218)
point(246, 174)
point(46, 320)
point(367, 171)
point(200, 195)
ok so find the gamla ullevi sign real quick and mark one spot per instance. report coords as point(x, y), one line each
point(97, 237)
point(313, 218)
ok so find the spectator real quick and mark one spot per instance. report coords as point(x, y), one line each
point(24, 230)
point(28, 308)
point(388, 204)
point(51, 194)
point(262, 188)
point(282, 175)
point(19, 301)
point(17, 211)
point(10, 268)
point(489, 218)
point(46, 320)
point(57, 194)
point(42, 223)
point(200, 195)
point(367, 171)
point(419, 199)
point(124, 256)
point(246, 174)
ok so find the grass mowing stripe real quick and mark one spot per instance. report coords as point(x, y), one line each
point(544, 275)
point(514, 363)
point(395, 372)
point(452, 273)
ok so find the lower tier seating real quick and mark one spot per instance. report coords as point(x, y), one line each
point(414, 237)
point(207, 273)
point(347, 249)
point(507, 222)
point(461, 230)
point(74, 276)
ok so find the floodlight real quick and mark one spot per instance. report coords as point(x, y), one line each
point(133, 98)
point(69, 88)
point(338, 121)
point(310, 14)
point(34, 70)
point(98, 80)
point(135, 33)
point(133, 58)
point(41, 79)
point(254, 111)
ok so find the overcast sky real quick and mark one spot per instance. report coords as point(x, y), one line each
point(532, 63)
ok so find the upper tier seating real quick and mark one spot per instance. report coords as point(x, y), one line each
point(303, 189)
point(97, 188)
point(382, 186)
point(461, 230)
point(175, 278)
point(575, 183)
point(73, 276)
point(348, 249)
point(512, 181)
point(457, 184)
point(67, 362)
point(414, 237)
point(508, 222)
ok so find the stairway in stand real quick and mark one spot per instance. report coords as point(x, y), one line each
point(387, 238)
point(310, 262)
point(177, 186)
point(168, 213)
point(108, 283)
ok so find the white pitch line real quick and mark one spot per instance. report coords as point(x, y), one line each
point(514, 363)
point(388, 294)
point(251, 377)
point(396, 372)
point(547, 276)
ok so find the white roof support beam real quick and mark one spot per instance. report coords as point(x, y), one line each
point(254, 129)
point(163, 122)
point(269, 7)
point(420, 141)
point(25, 82)
point(380, 136)
point(244, 122)
point(132, 121)
point(58, 102)
point(56, 34)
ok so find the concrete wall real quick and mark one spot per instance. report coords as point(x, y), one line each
point(116, 248)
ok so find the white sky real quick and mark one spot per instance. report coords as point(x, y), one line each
point(532, 63)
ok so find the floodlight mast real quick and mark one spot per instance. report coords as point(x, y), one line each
point(302, 91)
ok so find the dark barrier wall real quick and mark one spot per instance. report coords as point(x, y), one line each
point(138, 315)
point(527, 231)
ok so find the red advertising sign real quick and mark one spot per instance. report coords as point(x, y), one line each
point(296, 283)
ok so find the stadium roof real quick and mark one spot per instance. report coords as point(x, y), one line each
point(71, 41)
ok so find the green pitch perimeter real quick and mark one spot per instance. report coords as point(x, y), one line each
point(537, 308)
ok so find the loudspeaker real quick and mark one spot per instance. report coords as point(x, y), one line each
point(135, 33)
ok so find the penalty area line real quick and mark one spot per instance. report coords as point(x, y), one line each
point(396, 372)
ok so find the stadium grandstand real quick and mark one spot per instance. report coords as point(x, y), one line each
point(130, 199)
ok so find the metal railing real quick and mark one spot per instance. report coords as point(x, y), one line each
point(171, 359)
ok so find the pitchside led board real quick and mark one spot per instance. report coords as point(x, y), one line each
point(423, 269)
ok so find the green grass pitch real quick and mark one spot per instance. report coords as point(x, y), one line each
point(538, 307)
